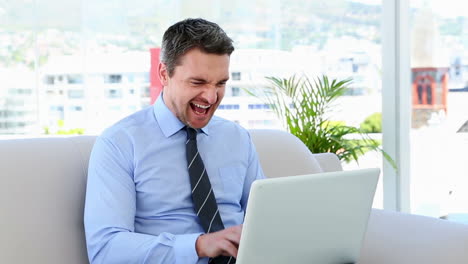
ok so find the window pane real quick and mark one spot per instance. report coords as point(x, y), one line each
point(439, 89)
point(93, 56)
point(18, 106)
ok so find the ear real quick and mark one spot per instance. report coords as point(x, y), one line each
point(163, 74)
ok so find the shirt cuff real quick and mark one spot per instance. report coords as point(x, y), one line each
point(184, 248)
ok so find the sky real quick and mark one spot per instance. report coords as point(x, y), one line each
point(445, 8)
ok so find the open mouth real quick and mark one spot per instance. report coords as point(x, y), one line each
point(199, 108)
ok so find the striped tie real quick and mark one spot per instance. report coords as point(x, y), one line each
point(202, 193)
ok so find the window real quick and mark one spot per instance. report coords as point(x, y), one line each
point(236, 76)
point(259, 106)
point(75, 79)
point(341, 38)
point(76, 94)
point(113, 78)
point(438, 109)
point(114, 93)
point(228, 107)
point(276, 38)
point(76, 108)
point(138, 77)
point(58, 108)
point(131, 77)
point(142, 77)
point(145, 91)
point(19, 91)
point(235, 91)
point(49, 79)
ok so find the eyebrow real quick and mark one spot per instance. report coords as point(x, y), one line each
point(196, 79)
point(224, 80)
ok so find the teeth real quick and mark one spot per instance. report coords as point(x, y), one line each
point(201, 106)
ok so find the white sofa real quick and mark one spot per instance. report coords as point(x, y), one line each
point(42, 194)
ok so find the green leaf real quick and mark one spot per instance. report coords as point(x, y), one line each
point(304, 104)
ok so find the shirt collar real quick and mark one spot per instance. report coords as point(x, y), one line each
point(167, 121)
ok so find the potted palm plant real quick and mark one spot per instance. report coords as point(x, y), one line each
point(303, 105)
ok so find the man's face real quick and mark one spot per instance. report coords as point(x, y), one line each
point(196, 87)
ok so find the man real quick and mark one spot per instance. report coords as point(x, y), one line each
point(144, 202)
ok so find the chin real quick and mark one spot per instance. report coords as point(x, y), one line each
point(198, 122)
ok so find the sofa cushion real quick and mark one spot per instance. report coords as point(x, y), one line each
point(407, 239)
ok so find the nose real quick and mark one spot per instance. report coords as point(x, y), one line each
point(210, 94)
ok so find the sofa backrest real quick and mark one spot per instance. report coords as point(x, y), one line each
point(42, 199)
point(43, 190)
point(282, 154)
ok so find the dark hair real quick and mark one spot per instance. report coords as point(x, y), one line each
point(193, 33)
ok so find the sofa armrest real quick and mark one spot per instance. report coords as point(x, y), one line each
point(407, 239)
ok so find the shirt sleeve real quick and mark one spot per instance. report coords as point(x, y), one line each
point(254, 172)
point(110, 213)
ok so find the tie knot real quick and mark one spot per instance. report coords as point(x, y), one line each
point(191, 133)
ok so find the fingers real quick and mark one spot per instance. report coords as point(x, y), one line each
point(234, 234)
point(224, 242)
point(228, 249)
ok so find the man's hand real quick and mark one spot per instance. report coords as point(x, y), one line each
point(224, 242)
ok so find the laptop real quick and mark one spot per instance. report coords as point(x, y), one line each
point(318, 218)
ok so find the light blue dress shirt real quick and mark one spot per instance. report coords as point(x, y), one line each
point(139, 207)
